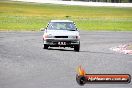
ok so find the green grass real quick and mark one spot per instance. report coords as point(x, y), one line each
point(20, 16)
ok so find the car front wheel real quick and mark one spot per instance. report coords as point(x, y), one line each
point(77, 48)
point(45, 46)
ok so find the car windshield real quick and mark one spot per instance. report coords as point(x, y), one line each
point(61, 26)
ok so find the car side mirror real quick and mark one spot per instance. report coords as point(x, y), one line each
point(77, 29)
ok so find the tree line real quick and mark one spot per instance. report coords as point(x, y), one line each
point(112, 1)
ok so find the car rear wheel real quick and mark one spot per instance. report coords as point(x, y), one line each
point(45, 46)
point(77, 48)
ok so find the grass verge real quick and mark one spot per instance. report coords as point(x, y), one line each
point(21, 16)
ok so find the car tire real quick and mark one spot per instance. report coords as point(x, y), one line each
point(77, 48)
point(45, 46)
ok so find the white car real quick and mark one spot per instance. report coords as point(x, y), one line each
point(61, 33)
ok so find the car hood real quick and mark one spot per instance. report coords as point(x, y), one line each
point(62, 33)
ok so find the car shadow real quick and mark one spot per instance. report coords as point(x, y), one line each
point(60, 49)
point(96, 52)
point(81, 51)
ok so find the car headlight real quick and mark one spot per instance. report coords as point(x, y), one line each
point(48, 36)
point(74, 37)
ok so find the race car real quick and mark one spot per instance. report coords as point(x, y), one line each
point(61, 33)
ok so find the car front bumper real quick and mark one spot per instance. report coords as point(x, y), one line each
point(61, 42)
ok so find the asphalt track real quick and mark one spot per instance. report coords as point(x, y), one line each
point(24, 64)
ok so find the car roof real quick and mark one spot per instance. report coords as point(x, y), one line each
point(61, 21)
